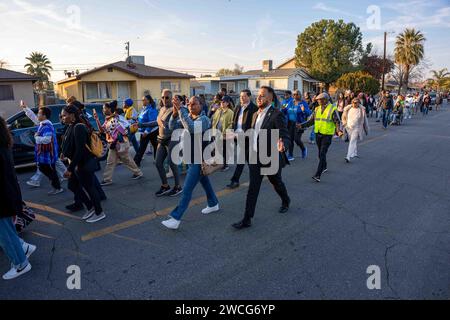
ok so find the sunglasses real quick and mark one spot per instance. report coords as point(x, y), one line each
point(165, 98)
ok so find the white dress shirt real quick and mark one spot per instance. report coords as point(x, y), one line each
point(258, 124)
point(241, 118)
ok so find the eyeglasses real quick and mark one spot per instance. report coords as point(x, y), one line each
point(165, 98)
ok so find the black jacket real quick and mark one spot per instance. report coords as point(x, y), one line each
point(74, 145)
point(247, 117)
point(274, 120)
point(10, 195)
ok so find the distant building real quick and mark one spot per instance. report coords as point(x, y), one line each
point(284, 77)
point(122, 80)
point(15, 86)
point(212, 85)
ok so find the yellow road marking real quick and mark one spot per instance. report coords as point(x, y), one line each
point(44, 219)
point(148, 217)
point(51, 210)
point(42, 235)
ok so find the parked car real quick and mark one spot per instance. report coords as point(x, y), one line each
point(23, 130)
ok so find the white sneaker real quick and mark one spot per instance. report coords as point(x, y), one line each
point(88, 214)
point(32, 183)
point(14, 273)
point(28, 249)
point(171, 224)
point(209, 210)
point(96, 218)
point(55, 192)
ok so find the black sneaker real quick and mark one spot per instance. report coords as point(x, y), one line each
point(74, 207)
point(225, 168)
point(317, 179)
point(233, 185)
point(162, 191)
point(175, 191)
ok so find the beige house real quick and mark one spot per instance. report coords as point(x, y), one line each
point(122, 80)
point(15, 86)
point(284, 77)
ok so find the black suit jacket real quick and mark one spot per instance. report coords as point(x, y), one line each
point(247, 117)
point(274, 120)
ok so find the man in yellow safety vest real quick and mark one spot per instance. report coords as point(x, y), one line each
point(326, 123)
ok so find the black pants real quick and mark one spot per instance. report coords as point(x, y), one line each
point(323, 143)
point(49, 170)
point(240, 167)
point(163, 152)
point(78, 199)
point(153, 139)
point(255, 184)
point(298, 138)
point(82, 184)
point(292, 130)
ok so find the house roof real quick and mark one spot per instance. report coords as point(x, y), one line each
point(9, 75)
point(286, 62)
point(281, 73)
point(138, 70)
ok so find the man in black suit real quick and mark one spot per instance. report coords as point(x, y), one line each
point(242, 121)
point(266, 118)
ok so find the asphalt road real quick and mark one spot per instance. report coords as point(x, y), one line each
point(391, 208)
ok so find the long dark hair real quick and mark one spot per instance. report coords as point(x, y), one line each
point(6, 140)
point(150, 100)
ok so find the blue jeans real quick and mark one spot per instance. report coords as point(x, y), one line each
point(194, 176)
point(12, 244)
point(386, 116)
point(312, 136)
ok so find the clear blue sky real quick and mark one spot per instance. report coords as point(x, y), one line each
point(200, 36)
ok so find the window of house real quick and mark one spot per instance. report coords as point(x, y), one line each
point(242, 85)
point(123, 91)
point(271, 83)
point(174, 86)
point(6, 92)
point(97, 90)
point(230, 86)
point(258, 84)
point(295, 85)
point(110, 69)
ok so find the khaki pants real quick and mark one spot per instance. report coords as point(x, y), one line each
point(113, 159)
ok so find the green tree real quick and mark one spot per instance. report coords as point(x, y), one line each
point(328, 49)
point(230, 72)
point(359, 81)
point(39, 66)
point(409, 51)
point(440, 77)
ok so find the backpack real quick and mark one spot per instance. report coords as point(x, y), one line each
point(23, 219)
point(95, 145)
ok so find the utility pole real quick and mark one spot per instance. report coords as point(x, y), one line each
point(384, 60)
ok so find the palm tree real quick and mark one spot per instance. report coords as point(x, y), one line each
point(409, 51)
point(439, 77)
point(39, 66)
point(3, 63)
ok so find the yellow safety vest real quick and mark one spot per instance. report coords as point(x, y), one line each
point(324, 123)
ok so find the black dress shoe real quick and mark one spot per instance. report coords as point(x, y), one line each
point(284, 209)
point(233, 185)
point(74, 207)
point(242, 225)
